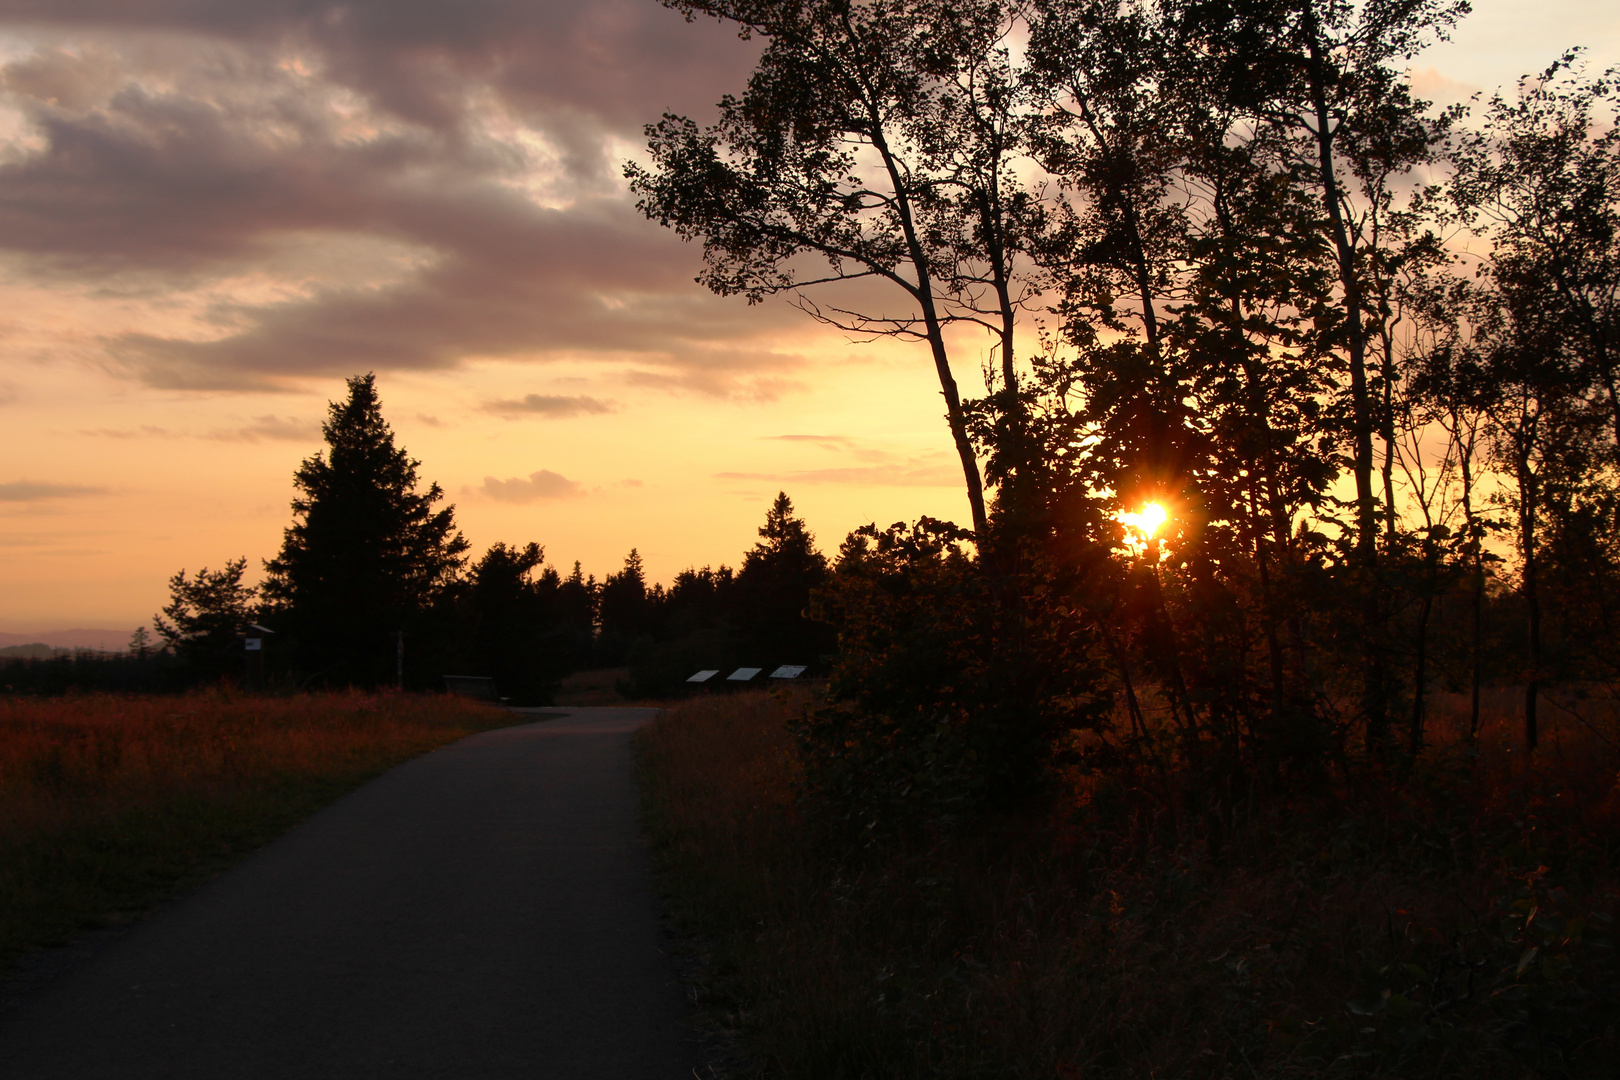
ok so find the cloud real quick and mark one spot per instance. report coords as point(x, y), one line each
point(65, 78)
point(242, 151)
point(32, 491)
point(731, 377)
point(175, 178)
point(543, 484)
point(908, 474)
point(875, 457)
point(1430, 83)
point(614, 63)
point(29, 540)
point(826, 442)
point(550, 405)
point(275, 428)
point(145, 431)
point(430, 421)
point(511, 282)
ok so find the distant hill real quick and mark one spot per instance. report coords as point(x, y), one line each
point(110, 640)
point(34, 650)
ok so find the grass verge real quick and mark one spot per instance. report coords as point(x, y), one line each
point(1456, 923)
point(110, 803)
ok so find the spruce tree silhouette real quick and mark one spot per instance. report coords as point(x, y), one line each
point(577, 600)
point(366, 554)
point(626, 610)
point(773, 589)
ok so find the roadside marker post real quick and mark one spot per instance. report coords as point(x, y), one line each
point(253, 636)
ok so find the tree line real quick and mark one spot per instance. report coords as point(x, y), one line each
point(373, 564)
point(1223, 261)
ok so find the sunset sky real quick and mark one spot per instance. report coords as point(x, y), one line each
point(213, 212)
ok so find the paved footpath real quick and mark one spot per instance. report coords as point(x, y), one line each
point(485, 911)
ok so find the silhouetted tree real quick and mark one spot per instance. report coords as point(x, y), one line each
point(1541, 180)
point(698, 597)
point(772, 592)
point(366, 554)
point(882, 141)
point(576, 601)
point(1448, 383)
point(1541, 177)
point(695, 628)
point(1237, 207)
point(519, 637)
point(205, 614)
point(625, 609)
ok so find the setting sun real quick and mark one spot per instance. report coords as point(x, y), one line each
point(1145, 523)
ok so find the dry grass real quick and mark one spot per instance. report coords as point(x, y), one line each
point(108, 803)
point(599, 686)
point(1380, 929)
point(1580, 734)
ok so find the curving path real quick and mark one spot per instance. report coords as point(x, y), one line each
point(485, 911)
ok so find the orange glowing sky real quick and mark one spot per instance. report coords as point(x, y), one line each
point(211, 213)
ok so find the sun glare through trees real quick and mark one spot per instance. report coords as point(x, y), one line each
point(1142, 526)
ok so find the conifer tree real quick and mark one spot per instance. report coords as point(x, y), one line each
point(366, 554)
point(773, 590)
point(626, 610)
point(577, 601)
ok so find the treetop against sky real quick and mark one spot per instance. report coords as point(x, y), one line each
point(213, 213)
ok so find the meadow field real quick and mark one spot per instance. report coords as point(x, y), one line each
point(1454, 922)
point(109, 803)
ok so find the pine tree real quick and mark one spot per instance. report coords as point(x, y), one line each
point(626, 609)
point(773, 589)
point(366, 553)
point(577, 601)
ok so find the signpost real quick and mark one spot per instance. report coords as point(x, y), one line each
point(253, 655)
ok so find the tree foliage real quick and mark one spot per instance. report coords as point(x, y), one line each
point(205, 616)
point(876, 142)
point(626, 610)
point(773, 588)
point(519, 636)
point(757, 616)
point(1246, 231)
point(367, 555)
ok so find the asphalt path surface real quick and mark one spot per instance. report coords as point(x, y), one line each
point(483, 911)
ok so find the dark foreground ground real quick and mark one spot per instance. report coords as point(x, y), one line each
point(485, 911)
